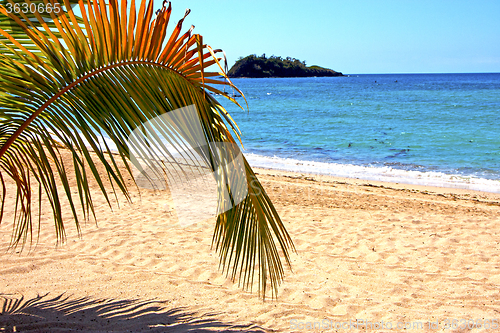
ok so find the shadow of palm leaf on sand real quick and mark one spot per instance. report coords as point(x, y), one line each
point(64, 314)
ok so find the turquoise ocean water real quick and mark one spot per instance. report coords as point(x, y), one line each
point(429, 129)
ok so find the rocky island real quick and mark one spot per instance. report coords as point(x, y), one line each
point(258, 67)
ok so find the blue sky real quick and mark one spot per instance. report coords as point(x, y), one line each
point(403, 36)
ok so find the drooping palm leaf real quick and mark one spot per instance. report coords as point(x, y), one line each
point(79, 80)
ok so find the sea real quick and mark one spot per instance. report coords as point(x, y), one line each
point(426, 129)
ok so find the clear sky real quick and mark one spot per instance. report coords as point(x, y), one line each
point(370, 36)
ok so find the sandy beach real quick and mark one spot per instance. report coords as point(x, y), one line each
point(419, 258)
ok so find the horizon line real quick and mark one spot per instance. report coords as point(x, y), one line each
point(422, 73)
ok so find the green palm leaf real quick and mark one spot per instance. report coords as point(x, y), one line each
point(78, 80)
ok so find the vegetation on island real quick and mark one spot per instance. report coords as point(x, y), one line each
point(274, 66)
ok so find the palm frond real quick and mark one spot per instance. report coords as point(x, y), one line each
point(79, 80)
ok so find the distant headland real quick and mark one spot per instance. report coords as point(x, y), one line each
point(258, 67)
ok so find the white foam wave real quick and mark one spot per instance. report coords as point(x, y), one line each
point(386, 174)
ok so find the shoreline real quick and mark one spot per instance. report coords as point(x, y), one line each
point(398, 186)
point(370, 173)
point(376, 174)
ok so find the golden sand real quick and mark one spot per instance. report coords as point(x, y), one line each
point(381, 252)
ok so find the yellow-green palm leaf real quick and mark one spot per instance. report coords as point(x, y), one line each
point(77, 80)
